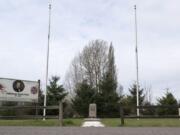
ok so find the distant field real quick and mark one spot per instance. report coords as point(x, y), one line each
point(107, 121)
point(142, 122)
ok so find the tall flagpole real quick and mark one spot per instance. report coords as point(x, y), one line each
point(137, 66)
point(47, 61)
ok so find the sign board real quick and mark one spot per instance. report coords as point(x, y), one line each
point(19, 90)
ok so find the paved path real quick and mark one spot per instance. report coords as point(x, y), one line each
point(92, 123)
point(87, 131)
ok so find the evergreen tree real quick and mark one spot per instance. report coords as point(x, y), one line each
point(107, 99)
point(126, 102)
point(109, 81)
point(55, 92)
point(167, 100)
point(133, 97)
point(131, 100)
point(111, 71)
point(148, 111)
point(84, 95)
point(41, 98)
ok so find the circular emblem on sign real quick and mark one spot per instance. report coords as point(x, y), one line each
point(1, 87)
point(18, 86)
point(34, 90)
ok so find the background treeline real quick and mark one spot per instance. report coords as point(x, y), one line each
point(92, 78)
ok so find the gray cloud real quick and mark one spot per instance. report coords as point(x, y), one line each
point(23, 32)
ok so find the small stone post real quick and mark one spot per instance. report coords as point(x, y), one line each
point(92, 111)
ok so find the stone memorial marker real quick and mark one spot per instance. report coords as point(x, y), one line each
point(92, 121)
point(92, 111)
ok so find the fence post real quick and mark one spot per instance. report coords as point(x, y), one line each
point(179, 112)
point(36, 111)
point(60, 113)
point(122, 116)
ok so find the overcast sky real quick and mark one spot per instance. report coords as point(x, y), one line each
point(24, 27)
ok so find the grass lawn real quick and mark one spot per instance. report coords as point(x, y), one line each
point(107, 121)
point(142, 122)
point(66, 122)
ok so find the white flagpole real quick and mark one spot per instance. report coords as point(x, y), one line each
point(137, 66)
point(47, 61)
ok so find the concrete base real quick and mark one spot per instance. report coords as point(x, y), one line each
point(92, 122)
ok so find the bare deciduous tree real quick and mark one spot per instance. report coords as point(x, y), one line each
point(148, 93)
point(89, 65)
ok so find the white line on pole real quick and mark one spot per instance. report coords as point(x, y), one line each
point(137, 66)
point(47, 62)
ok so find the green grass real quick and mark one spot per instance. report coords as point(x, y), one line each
point(73, 122)
point(107, 121)
point(66, 122)
point(142, 122)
